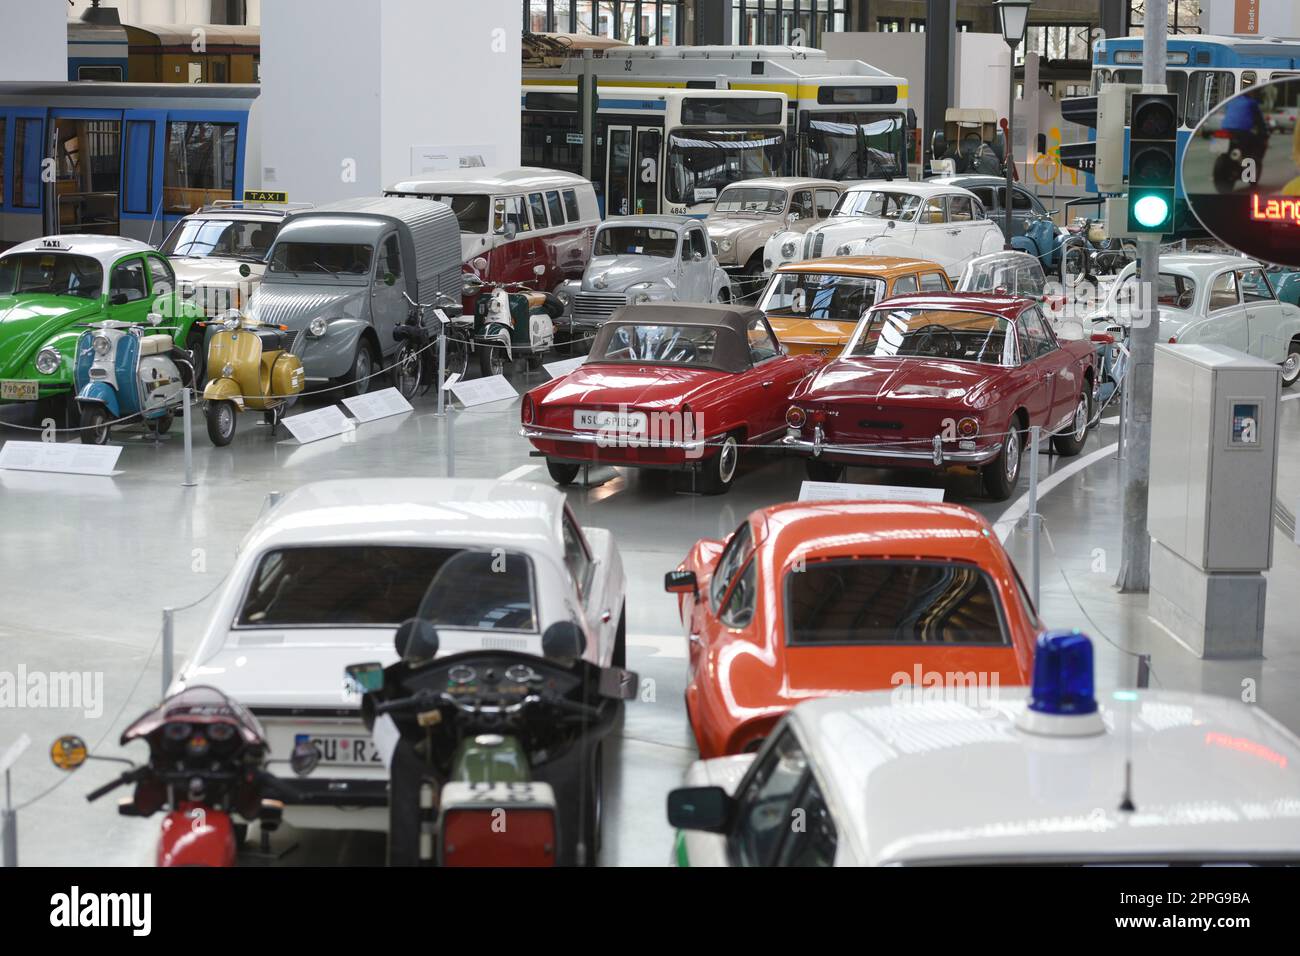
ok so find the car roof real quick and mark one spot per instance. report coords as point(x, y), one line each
point(928, 188)
point(1200, 263)
point(463, 512)
point(786, 182)
point(957, 781)
point(860, 265)
point(479, 178)
point(671, 222)
point(104, 249)
point(1006, 306)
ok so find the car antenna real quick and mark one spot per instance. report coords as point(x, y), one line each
point(1126, 804)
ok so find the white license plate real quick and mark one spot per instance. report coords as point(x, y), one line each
point(590, 420)
point(350, 750)
point(1218, 146)
point(19, 391)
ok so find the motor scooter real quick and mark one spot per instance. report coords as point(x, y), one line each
point(512, 319)
point(126, 372)
point(207, 764)
point(252, 366)
point(416, 368)
point(483, 734)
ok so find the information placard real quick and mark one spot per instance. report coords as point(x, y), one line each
point(64, 457)
point(375, 405)
point(563, 367)
point(484, 391)
point(322, 423)
point(837, 491)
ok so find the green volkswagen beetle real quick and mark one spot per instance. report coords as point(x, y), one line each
point(51, 288)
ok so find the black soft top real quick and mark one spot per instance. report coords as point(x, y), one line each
point(730, 353)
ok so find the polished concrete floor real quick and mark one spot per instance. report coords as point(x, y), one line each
point(87, 564)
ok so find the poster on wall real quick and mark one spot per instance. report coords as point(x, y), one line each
point(437, 159)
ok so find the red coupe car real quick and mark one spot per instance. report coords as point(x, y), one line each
point(946, 381)
point(671, 387)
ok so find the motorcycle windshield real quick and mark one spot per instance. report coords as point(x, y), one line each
point(479, 591)
point(201, 705)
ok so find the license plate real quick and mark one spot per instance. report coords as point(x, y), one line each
point(590, 420)
point(343, 749)
point(1218, 146)
point(19, 391)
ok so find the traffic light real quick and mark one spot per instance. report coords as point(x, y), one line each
point(1103, 157)
point(1152, 165)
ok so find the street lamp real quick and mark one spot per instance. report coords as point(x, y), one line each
point(1014, 15)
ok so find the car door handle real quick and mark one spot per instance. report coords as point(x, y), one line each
point(768, 384)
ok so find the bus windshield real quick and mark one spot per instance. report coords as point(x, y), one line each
point(853, 145)
point(703, 162)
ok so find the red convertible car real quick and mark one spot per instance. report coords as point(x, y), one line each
point(671, 387)
point(945, 381)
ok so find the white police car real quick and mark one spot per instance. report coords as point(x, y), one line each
point(1017, 776)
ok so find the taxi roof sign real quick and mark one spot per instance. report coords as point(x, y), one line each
point(263, 195)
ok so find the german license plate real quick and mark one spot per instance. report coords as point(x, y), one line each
point(592, 420)
point(16, 390)
point(343, 749)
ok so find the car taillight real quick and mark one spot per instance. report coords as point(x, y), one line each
point(818, 417)
point(527, 411)
point(795, 417)
point(1173, 340)
point(968, 428)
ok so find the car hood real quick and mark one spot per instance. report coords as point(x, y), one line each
point(616, 273)
point(646, 387)
point(923, 382)
point(811, 331)
point(214, 271)
point(850, 228)
point(277, 303)
point(731, 228)
point(27, 323)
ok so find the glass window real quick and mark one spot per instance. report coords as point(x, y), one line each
point(762, 344)
point(660, 344)
point(200, 237)
point(328, 258)
point(802, 204)
point(1036, 333)
point(904, 285)
point(200, 164)
point(635, 241)
point(889, 24)
point(874, 204)
point(576, 558)
point(960, 209)
point(765, 812)
point(48, 273)
point(554, 207)
point(137, 194)
point(701, 162)
point(538, 207)
point(1223, 293)
point(738, 610)
point(934, 211)
point(734, 555)
point(854, 144)
point(1254, 286)
point(509, 210)
point(750, 199)
point(4, 120)
point(934, 333)
point(128, 280)
point(471, 210)
point(814, 843)
point(162, 281)
point(1019, 199)
point(697, 244)
point(815, 295)
point(934, 282)
point(390, 259)
point(27, 163)
point(986, 194)
point(826, 200)
point(1206, 89)
point(873, 601)
point(571, 205)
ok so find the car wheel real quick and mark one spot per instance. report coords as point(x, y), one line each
point(221, 416)
point(194, 344)
point(491, 360)
point(1074, 264)
point(1002, 474)
point(819, 470)
point(593, 807)
point(163, 424)
point(719, 471)
point(94, 425)
point(562, 473)
point(363, 366)
point(1291, 367)
point(1070, 444)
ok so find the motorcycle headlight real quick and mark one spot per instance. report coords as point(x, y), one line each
point(495, 307)
point(725, 245)
point(230, 325)
point(227, 371)
point(317, 326)
point(787, 250)
point(47, 360)
point(101, 345)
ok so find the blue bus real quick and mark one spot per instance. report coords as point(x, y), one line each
point(126, 159)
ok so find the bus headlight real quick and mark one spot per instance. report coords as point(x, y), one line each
point(47, 360)
point(317, 327)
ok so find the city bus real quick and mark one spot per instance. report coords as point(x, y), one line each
point(846, 120)
point(658, 150)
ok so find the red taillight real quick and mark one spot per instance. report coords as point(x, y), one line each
point(968, 428)
point(476, 837)
point(795, 417)
point(526, 412)
point(1105, 337)
point(818, 417)
point(1173, 340)
point(1222, 134)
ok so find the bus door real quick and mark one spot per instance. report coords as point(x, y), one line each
point(649, 158)
point(633, 160)
point(618, 171)
point(87, 156)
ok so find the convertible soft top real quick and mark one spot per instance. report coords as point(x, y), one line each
point(731, 350)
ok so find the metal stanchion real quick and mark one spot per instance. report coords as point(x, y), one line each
point(1144, 670)
point(442, 364)
point(1035, 519)
point(189, 441)
point(168, 647)
point(9, 832)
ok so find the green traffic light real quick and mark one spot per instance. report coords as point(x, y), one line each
point(1151, 211)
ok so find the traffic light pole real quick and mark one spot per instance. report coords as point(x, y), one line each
point(1135, 467)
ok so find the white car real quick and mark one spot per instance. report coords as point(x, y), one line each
point(943, 224)
point(970, 775)
point(219, 253)
point(1208, 299)
point(326, 576)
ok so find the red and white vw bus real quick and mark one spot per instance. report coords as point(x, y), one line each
point(516, 219)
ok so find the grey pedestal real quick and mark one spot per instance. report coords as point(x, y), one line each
point(1216, 614)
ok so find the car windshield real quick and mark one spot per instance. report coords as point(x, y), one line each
point(873, 601)
point(878, 204)
point(636, 241)
point(661, 344)
point(1172, 292)
point(751, 199)
point(935, 333)
point(49, 273)
point(331, 258)
point(482, 591)
point(703, 162)
point(471, 211)
point(812, 295)
point(200, 238)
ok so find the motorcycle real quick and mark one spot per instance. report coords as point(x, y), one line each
point(416, 367)
point(1235, 148)
point(1061, 252)
point(494, 756)
point(512, 319)
point(207, 764)
point(253, 366)
point(125, 372)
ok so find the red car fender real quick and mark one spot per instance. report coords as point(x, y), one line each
point(195, 835)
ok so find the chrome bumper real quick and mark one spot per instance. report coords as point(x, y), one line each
point(936, 454)
point(613, 441)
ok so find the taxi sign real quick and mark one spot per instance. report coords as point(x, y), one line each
point(262, 195)
point(53, 242)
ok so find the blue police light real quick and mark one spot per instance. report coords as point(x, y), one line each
point(1063, 675)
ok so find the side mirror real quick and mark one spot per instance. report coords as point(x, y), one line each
point(539, 270)
point(244, 270)
point(118, 298)
point(793, 217)
point(681, 582)
point(304, 758)
point(389, 278)
point(563, 641)
point(616, 683)
point(471, 285)
point(68, 752)
point(365, 677)
point(509, 231)
point(700, 808)
point(155, 318)
point(416, 640)
point(479, 264)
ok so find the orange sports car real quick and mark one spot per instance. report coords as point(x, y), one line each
point(808, 599)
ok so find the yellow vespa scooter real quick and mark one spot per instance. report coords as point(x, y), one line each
point(252, 367)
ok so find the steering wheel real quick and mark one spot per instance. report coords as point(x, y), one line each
point(926, 340)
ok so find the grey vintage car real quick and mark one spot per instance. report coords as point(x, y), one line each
point(750, 212)
point(342, 273)
point(640, 259)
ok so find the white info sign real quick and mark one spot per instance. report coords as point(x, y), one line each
point(65, 458)
point(375, 405)
point(322, 423)
point(835, 491)
point(483, 391)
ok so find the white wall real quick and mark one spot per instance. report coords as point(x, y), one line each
point(348, 89)
point(33, 40)
point(1274, 18)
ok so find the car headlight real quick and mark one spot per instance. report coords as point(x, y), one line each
point(842, 250)
point(641, 298)
point(563, 297)
point(47, 360)
point(317, 326)
point(725, 245)
point(787, 250)
point(101, 344)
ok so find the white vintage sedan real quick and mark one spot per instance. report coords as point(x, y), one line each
point(326, 576)
point(944, 224)
point(1208, 299)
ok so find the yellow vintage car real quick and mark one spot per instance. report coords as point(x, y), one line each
point(813, 306)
